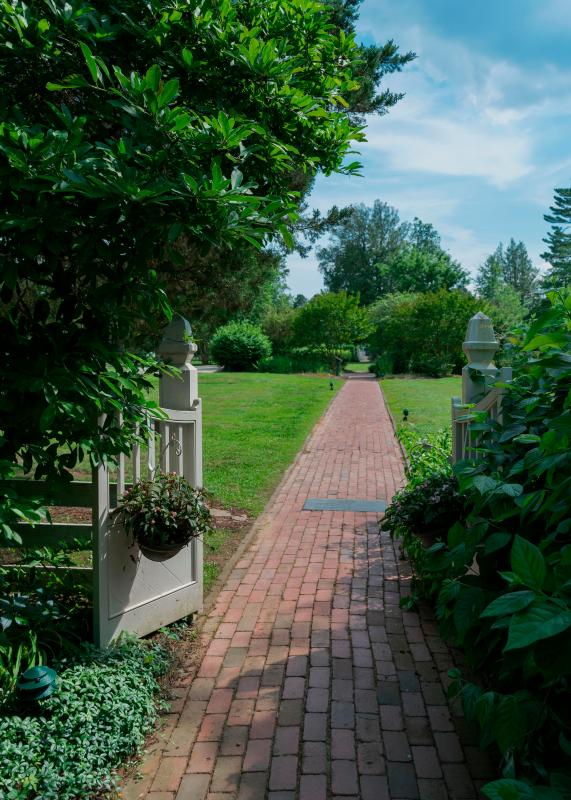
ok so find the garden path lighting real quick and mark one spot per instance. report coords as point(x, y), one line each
point(37, 683)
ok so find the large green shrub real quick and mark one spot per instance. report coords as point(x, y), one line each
point(100, 716)
point(277, 324)
point(424, 333)
point(239, 346)
point(503, 577)
point(331, 319)
point(132, 134)
point(307, 359)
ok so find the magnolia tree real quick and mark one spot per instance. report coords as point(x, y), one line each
point(131, 131)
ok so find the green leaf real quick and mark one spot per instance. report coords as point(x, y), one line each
point(510, 489)
point(509, 603)
point(496, 541)
point(91, 63)
point(541, 621)
point(168, 92)
point(509, 723)
point(484, 484)
point(236, 178)
point(153, 77)
point(528, 563)
point(286, 236)
point(507, 789)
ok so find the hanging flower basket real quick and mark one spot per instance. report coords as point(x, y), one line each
point(163, 515)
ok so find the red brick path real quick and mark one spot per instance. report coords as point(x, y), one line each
point(315, 684)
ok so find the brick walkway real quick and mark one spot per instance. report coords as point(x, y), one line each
point(315, 684)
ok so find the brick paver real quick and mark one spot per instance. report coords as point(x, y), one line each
point(315, 683)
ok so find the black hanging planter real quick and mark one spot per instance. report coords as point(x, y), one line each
point(161, 552)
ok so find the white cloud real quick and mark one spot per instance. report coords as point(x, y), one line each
point(446, 146)
point(553, 13)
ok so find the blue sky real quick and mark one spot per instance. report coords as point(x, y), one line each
point(484, 133)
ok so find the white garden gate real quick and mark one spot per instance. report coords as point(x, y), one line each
point(478, 395)
point(130, 591)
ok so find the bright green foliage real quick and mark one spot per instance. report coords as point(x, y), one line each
point(519, 272)
point(239, 346)
point(490, 277)
point(100, 715)
point(558, 240)
point(374, 253)
point(277, 324)
point(331, 319)
point(307, 359)
point(423, 333)
point(512, 615)
point(130, 132)
point(164, 511)
point(508, 269)
point(427, 453)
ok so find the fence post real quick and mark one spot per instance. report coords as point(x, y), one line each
point(480, 347)
point(180, 392)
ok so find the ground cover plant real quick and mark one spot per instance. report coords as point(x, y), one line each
point(501, 579)
point(103, 709)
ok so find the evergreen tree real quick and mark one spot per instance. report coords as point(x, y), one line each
point(558, 240)
point(511, 267)
point(376, 62)
point(490, 277)
point(519, 272)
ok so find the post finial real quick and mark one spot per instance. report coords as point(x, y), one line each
point(177, 346)
point(480, 344)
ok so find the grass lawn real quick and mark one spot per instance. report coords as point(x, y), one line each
point(427, 400)
point(357, 366)
point(253, 425)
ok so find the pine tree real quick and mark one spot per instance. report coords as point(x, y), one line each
point(558, 240)
point(519, 272)
point(490, 277)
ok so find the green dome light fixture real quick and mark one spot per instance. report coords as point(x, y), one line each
point(37, 683)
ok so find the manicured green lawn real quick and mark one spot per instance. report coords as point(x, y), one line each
point(427, 400)
point(357, 366)
point(253, 425)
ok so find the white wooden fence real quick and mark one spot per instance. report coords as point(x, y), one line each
point(130, 591)
point(478, 391)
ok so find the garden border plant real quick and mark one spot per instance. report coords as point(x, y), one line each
point(511, 615)
point(100, 715)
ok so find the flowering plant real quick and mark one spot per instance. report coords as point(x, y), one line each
point(430, 507)
point(164, 511)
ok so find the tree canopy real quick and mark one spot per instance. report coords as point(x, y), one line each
point(508, 268)
point(373, 253)
point(130, 134)
point(331, 319)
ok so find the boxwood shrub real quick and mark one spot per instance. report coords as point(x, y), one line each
point(99, 717)
point(239, 346)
